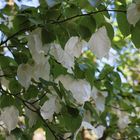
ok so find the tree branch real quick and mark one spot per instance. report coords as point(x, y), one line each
point(34, 109)
point(15, 34)
point(62, 21)
point(87, 14)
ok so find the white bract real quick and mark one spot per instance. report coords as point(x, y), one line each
point(99, 98)
point(41, 70)
point(50, 107)
point(51, 3)
point(133, 13)
point(80, 89)
point(97, 133)
point(35, 46)
point(4, 82)
point(100, 43)
point(41, 67)
point(9, 116)
point(32, 116)
point(123, 118)
point(10, 137)
point(24, 74)
point(73, 48)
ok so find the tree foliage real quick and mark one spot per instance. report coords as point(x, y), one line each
point(68, 67)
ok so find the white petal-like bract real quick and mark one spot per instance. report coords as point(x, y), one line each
point(35, 45)
point(80, 89)
point(133, 13)
point(57, 52)
point(32, 116)
point(24, 74)
point(99, 98)
point(41, 70)
point(96, 132)
point(74, 46)
point(9, 116)
point(100, 43)
point(10, 137)
point(49, 108)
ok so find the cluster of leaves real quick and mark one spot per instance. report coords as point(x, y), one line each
point(45, 82)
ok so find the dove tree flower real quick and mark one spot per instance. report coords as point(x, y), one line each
point(133, 13)
point(41, 67)
point(73, 49)
point(35, 46)
point(24, 74)
point(100, 43)
point(50, 107)
point(80, 89)
point(96, 133)
point(9, 115)
point(123, 118)
point(10, 137)
point(99, 98)
point(49, 75)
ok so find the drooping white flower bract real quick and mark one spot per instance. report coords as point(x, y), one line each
point(24, 74)
point(9, 116)
point(80, 89)
point(123, 118)
point(73, 48)
point(35, 45)
point(97, 132)
point(10, 137)
point(100, 43)
point(41, 70)
point(133, 13)
point(99, 98)
point(49, 108)
point(32, 116)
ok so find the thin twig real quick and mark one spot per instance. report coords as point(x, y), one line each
point(62, 21)
point(37, 111)
point(87, 14)
point(15, 34)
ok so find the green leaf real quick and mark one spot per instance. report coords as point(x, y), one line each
point(88, 21)
point(6, 100)
point(84, 31)
point(110, 30)
point(14, 86)
point(47, 36)
point(136, 34)
point(123, 24)
point(20, 22)
point(69, 122)
point(20, 57)
point(31, 93)
point(106, 70)
point(71, 10)
point(103, 7)
point(57, 69)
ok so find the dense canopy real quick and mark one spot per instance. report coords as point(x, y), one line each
point(69, 69)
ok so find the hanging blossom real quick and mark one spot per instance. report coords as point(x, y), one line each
point(10, 137)
point(4, 82)
point(9, 115)
point(51, 106)
point(99, 98)
point(96, 133)
point(73, 49)
point(133, 13)
point(123, 118)
point(41, 66)
point(100, 43)
point(80, 89)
